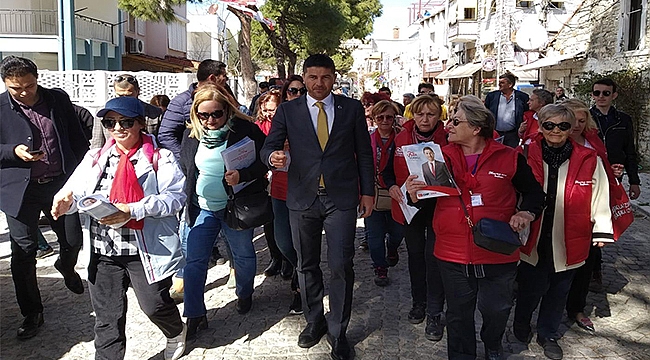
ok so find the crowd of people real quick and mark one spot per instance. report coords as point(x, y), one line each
point(528, 164)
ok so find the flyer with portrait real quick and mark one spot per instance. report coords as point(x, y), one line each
point(426, 161)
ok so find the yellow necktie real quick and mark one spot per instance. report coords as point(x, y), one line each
point(321, 131)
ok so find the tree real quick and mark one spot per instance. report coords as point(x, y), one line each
point(247, 69)
point(314, 26)
point(152, 10)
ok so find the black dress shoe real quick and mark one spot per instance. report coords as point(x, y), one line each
point(340, 348)
point(31, 326)
point(194, 325)
point(312, 334)
point(287, 270)
point(70, 277)
point(552, 349)
point(244, 305)
point(274, 267)
point(417, 313)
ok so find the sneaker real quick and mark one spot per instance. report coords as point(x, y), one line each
point(177, 296)
point(392, 257)
point(552, 349)
point(296, 304)
point(434, 329)
point(40, 254)
point(363, 245)
point(176, 346)
point(417, 313)
point(232, 282)
point(381, 276)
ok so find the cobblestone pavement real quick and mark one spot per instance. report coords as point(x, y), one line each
point(378, 329)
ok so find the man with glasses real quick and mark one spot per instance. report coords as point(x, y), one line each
point(508, 106)
point(41, 144)
point(616, 129)
point(264, 87)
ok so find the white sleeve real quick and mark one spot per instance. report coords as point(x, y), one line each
point(601, 215)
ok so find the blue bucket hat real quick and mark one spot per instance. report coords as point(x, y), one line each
point(123, 105)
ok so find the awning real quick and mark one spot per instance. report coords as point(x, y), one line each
point(523, 75)
point(550, 61)
point(461, 71)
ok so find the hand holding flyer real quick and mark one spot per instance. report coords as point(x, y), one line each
point(99, 207)
point(426, 161)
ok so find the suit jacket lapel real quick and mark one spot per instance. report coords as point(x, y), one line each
point(303, 121)
point(338, 119)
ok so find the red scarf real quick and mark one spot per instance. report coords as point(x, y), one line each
point(381, 160)
point(125, 187)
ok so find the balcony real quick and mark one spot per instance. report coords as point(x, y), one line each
point(45, 22)
point(28, 22)
point(463, 31)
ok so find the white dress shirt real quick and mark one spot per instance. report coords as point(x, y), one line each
point(328, 106)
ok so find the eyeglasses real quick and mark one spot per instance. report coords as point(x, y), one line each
point(125, 123)
point(457, 121)
point(605, 93)
point(385, 118)
point(295, 91)
point(129, 79)
point(563, 126)
point(275, 87)
point(366, 104)
point(206, 116)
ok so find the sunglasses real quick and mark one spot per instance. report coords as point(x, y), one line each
point(129, 79)
point(125, 123)
point(206, 116)
point(597, 93)
point(563, 126)
point(295, 91)
point(456, 121)
point(385, 118)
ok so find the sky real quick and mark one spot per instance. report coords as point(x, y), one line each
point(394, 13)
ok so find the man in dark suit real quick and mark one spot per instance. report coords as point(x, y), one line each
point(433, 170)
point(508, 106)
point(41, 143)
point(329, 177)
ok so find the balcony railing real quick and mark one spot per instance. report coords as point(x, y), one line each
point(463, 31)
point(28, 22)
point(45, 22)
point(89, 28)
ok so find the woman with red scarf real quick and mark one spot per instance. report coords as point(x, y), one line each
point(426, 284)
point(138, 244)
point(381, 223)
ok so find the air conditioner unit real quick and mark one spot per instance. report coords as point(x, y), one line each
point(136, 46)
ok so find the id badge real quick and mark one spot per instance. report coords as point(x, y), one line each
point(477, 200)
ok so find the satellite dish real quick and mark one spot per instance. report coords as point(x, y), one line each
point(531, 37)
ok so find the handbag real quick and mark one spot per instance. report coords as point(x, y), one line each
point(248, 211)
point(383, 201)
point(493, 235)
point(622, 214)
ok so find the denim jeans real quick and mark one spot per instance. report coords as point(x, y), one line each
point(378, 224)
point(282, 231)
point(200, 241)
point(183, 233)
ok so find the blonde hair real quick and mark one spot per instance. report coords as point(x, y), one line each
point(383, 106)
point(211, 93)
point(421, 101)
point(577, 106)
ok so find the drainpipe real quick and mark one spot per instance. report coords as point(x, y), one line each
point(67, 36)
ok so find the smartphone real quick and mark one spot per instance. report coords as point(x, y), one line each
point(35, 152)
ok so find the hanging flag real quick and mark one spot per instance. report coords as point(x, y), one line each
point(242, 5)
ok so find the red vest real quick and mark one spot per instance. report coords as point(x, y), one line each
point(495, 169)
point(577, 200)
point(532, 126)
point(405, 137)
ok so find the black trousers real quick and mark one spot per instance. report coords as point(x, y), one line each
point(426, 282)
point(23, 234)
point(493, 294)
point(306, 229)
point(108, 280)
point(577, 299)
point(537, 283)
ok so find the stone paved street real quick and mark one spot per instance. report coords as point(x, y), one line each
point(378, 329)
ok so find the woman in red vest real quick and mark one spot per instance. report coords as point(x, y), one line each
point(426, 285)
point(577, 191)
point(489, 176)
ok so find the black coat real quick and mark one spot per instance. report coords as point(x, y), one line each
point(241, 129)
point(15, 129)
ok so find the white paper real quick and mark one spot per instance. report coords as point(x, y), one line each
point(408, 210)
point(419, 159)
point(240, 156)
point(99, 207)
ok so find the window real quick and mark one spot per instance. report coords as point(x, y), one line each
point(556, 4)
point(177, 36)
point(130, 23)
point(631, 29)
point(493, 7)
point(524, 4)
point(469, 14)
